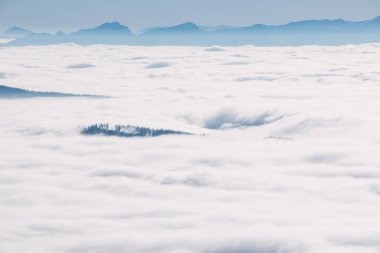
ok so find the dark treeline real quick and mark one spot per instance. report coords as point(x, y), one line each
point(128, 131)
point(10, 92)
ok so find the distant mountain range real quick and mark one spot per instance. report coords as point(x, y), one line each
point(308, 32)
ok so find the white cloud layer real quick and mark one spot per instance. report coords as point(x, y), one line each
point(286, 159)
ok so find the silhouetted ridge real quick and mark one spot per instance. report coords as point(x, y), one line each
point(59, 33)
point(375, 20)
point(308, 32)
point(308, 26)
point(106, 29)
point(111, 26)
point(188, 26)
point(185, 28)
point(372, 25)
point(128, 131)
point(15, 32)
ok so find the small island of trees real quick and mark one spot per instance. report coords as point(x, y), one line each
point(128, 131)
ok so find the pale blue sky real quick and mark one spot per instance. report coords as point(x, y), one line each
point(70, 15)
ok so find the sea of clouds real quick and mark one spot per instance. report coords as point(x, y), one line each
point(284, 156)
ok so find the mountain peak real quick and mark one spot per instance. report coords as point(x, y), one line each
point(59, 33)
point(110, 29)
point(185, 28)
point(16, 32)
point(188, 25)
point(111, 25)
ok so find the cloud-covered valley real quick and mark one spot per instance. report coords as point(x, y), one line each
point(284, 156)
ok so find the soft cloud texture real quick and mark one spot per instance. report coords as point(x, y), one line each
point(80, 66)
point(286, 161)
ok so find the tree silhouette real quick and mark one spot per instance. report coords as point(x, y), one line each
point(128, 131)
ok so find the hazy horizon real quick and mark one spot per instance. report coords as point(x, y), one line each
point(72, 15)
point(171, 25)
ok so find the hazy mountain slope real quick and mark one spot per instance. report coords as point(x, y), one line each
point(15, 33)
